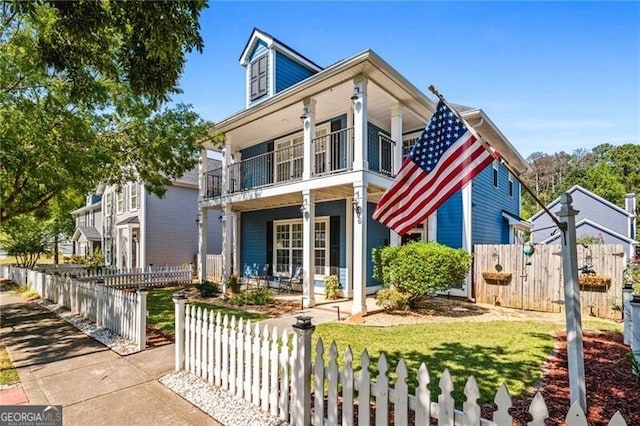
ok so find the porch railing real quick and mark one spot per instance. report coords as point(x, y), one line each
point(333, 152)
point(386, 147)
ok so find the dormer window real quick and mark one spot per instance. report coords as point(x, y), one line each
point(259, 77)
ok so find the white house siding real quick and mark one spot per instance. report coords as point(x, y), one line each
point(171, 229)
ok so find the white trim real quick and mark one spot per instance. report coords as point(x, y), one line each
point(587, 193)
point(108, 204)
point(595, 225)
point(271, 67)
point(495, 174)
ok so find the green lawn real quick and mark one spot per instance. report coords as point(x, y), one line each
point(510, 352)
point(8, 374)
point(162, 309)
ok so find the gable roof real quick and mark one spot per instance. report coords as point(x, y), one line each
point(575, 188)
point(595, 225)
point(90, 233)
point(272, 42)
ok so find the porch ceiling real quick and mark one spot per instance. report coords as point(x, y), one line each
point(339, 192)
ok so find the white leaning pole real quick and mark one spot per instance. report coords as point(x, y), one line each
point(575, 352)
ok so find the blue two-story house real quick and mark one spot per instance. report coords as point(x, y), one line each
point(304, 164)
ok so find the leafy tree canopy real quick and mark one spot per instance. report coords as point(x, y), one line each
point(82, 89)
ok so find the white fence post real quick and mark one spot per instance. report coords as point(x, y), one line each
point(301, 398)
point(100, 304)
point(141, 319)
point(635, 329)
point(626, 312)
point(179, 299)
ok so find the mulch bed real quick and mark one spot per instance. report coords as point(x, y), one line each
point(609, 383)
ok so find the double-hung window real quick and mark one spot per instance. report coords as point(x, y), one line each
point(496, 164)
point(289, 155)
point(120, 201)
point(288, 250)
point(133, 196)
point(108, 204)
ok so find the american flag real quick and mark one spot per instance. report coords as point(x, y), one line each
point(446, 157)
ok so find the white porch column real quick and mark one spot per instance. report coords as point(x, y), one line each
point(203, 229)
point(360, 123)
point(396, 136)
point(432, 227)
point(203, 168)
point(309, 129)
point(226, 162)
point(360, 254)
point(308, 245)
point(236, 242)
point(466, 231)
point(348, 286)
point(227, 240)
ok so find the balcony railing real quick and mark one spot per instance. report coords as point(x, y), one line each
point(333, 153)
point(386, 146)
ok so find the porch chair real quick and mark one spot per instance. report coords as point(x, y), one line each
point(286, 283)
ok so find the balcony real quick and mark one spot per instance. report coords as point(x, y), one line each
point(332, 152)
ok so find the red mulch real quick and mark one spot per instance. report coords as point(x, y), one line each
point(157, 337)
point(610, 385)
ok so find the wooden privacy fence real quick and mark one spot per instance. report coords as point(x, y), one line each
point(275, 371)
point(504, 276)
point(122, 312)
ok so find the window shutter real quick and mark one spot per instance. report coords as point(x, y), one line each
point(262, 75)
point(269, 247)
point(254, 80)
point(334, 242)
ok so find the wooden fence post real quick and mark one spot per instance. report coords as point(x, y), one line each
point(626, 313)
point(179, 299)
point(141, 327)
point(301, 398)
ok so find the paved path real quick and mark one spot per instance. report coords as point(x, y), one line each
point(59, 365)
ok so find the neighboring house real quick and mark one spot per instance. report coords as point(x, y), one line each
point(136, 229)
point(307, 160)
point(596, 217)
point(87, 237)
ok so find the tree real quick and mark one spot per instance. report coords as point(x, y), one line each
point(82, 86)
point(27, 238)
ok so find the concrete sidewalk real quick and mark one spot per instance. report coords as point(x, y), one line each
point(59, 365)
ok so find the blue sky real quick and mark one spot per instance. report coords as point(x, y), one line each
point(552, 76)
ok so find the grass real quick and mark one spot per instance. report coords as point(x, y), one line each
point(509, 352)
point(162, 309)
point(8, 374)
point(26, 293)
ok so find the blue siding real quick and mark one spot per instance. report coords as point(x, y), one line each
point(258, 174)
point(450, 221)
point(260, 49)
point(289, 72)
point(373, 146)
point(254, 224)
point(488, 202)
point(377, 235)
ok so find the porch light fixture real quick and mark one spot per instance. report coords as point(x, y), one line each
point(528, 249)
point(222, 218)
point(357, 208)
point(356, 94)
point(198, 219)
point(304, 208)
point(305, 114)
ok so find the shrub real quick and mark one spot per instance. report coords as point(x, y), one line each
point(331, 287)
point(392, 300)
point(208, 289)
point(418, 269)
point(233, 284)
point(260, 296)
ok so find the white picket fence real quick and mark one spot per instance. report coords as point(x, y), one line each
point(255, 363)
point(152, 276)
point(122, 312)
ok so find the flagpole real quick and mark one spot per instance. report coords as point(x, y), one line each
point(573, 314)
point(562, 226)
